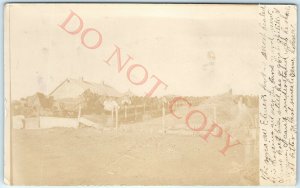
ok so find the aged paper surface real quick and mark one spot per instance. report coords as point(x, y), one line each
point(150, 94)
point(278, 100)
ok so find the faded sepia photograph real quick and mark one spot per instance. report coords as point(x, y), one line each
point(149, 94)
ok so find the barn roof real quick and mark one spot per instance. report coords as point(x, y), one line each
point(98, 88)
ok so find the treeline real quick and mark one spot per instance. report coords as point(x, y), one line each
point(91, 103)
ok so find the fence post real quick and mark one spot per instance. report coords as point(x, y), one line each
point(163, 117)
point(135, 113)
point(39, 119)
point(125, 109)
point(116, 118)
point(79, 114)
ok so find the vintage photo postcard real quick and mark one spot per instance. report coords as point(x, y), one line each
point(150, 94)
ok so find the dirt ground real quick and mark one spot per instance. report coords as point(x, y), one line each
point(136, 154)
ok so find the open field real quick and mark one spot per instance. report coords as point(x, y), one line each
point(136, 154)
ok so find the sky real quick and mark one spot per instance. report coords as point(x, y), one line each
point(198, 50)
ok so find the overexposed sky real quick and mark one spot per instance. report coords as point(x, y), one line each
point(171, 41)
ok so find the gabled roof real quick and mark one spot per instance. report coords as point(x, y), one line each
point(100, 89)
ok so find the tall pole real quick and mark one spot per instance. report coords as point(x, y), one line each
point(116, 118)
point(125, 111)
point(79, 114)
point(163, 117)
point(135, 113)
point(79, 111)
